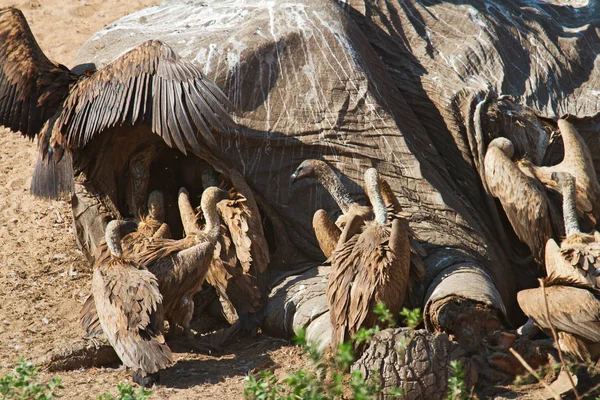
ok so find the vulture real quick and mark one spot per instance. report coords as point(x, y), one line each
point(574, 311)
point(578, 162)
point(66, 109)
point(129, 307)
point(370, 264)
point(522, 196)
point(328, 232)
point(151, 226)
point(180, 266)
point(238, 270)
point(578, 256)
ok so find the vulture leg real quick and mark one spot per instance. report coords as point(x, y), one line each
point(326, 231)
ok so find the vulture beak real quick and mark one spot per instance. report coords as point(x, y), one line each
point(293, 177)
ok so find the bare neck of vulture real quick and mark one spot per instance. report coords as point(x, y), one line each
point(333, 184)
point(574, 148)
point(113, 239)
point(211, 215)
point(209, 177)
point(374, 194)
point(569, 213)
point(156, 206)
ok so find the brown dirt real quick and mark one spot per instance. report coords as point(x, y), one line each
point(44, 277)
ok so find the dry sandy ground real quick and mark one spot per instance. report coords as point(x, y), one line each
point(44, 277)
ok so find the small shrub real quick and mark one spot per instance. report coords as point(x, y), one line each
point(126, 392)
point(22, 384)
point(456, 383)
point(327, 380)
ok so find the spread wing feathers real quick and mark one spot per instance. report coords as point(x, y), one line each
point(581, 251)
point(88, 317)
point(31, 86)
point(391, 202)
point(245, 226)
point(152, 84)
point(326, 231)
point(339, 281)
point(523, 200)
point(235, 287)
point(130, 310)
point(380, 277)
point(573, 310)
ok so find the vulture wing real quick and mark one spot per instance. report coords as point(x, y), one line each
point(573, 310)
point(326, 231)
point(31, 86)
point(129, 307)
point(523, 200)
point(150, 84)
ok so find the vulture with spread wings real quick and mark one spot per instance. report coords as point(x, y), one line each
point(66, 109)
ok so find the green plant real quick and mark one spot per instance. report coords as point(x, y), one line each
point(326, 380)
point(456, 383)
point(412, 318)
point(126, 392)
point(22, 384)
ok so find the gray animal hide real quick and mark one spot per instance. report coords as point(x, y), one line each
point(414, 88)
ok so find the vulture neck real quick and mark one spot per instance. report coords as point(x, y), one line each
point(211, 215)
point(572, 142)
point(113, 242)
point(376, 199)
point(569, 212)
point(209, 177)
point(333, 184)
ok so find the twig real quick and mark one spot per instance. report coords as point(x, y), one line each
point(555, 336)
point(532, 372)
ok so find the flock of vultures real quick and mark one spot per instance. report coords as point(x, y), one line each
point(142, 276)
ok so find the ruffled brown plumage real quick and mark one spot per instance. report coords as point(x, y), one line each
point(367, 267)
point(129, 307)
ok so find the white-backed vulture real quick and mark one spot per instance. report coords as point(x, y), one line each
point(367, 267)
point(239, 268)
point(149, 84)
point(578, 257)
point(129, 307)
point(326, 231)
point(578, 162)
point(522, 195)
point(574, 310)
point(181, 265)
point(151, 226)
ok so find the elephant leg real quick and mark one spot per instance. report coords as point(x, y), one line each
point(462, 300)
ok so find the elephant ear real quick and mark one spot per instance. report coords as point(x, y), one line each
point(149, 84)
point(31, 86)
point(327, 232)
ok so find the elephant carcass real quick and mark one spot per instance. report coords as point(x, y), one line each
point(392, 87)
